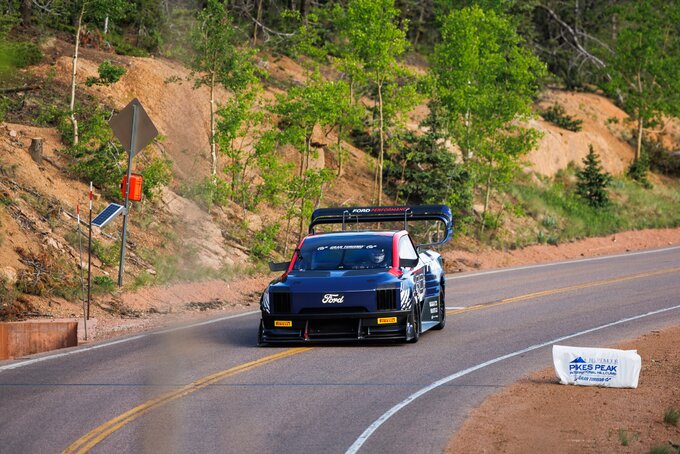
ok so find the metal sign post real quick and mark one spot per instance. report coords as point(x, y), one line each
point(135, 130)
point(133, 137)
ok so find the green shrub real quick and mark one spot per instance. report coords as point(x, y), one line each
point(123, 47)
point(664, 449)
point(15, 55)
point(207, 193)
point(25, 54)
point(639, 169)
point(556, 115)
point(102, 284)
point(671, 416)
point(142, 280)
point(108, 255)
point(264, 241)
point(108, 74)
point(50, 114)
point(4, 108)
point(156, 174)
point(8, 294)
point(660, 159)
point(101, 166)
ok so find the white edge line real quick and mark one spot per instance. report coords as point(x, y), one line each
point(120, 341)
point(392, 411)
point(563, 262)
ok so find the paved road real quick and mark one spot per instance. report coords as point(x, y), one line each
point(209, 389)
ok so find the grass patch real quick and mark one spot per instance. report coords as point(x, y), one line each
point(671, 416)
point(8, 296)
point(664, 449)
point(625, 437)
point(143, 279)
point(102, 284)
point(563, 216)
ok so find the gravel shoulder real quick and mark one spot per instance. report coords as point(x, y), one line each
point(537, 414)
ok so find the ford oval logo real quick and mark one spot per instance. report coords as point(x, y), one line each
point(333, 298)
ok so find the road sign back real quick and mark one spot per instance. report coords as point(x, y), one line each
point(121, 125)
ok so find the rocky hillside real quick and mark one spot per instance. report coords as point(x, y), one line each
point(173, 238)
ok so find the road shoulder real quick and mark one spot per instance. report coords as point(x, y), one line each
point(537, 414)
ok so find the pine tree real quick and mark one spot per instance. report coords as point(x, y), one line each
point(593, 180)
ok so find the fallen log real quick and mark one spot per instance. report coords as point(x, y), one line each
point(20, 89)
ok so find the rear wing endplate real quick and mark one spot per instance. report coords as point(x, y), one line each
point(346, 215)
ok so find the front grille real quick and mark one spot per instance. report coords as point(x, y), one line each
point(333, 310)
point(280, 303)
point(386, 299)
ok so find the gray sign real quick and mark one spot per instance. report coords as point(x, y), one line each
point(122, 127)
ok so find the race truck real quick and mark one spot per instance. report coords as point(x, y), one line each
point(359, 285)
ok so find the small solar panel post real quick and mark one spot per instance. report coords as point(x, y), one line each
point(108, 215)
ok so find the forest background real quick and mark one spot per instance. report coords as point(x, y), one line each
point(469, 74)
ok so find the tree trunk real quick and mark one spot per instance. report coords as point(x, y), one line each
point(258, 21)
point(421, 20)
point(340, 151)
point(640, 120)
point(486, 199)
point(638, 145)
point(304, 7)
point(26, 12)
point(73, 76)
point(285, 241)
point(467, 153)
point(304, 166)
point(36, 150)
point(213, 145)
point(382, 145)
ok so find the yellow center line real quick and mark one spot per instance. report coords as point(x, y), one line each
point(95, 436)
point(556, 291)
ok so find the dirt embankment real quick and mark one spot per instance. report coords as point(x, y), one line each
point(537, 414)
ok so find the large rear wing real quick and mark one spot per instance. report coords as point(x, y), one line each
point(346, 215)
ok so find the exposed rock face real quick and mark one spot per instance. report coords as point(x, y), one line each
point(9, 275)
point(200, 233)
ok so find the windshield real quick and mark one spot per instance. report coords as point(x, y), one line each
point(357, 252)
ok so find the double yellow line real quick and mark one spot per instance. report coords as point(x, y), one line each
point(90, 439)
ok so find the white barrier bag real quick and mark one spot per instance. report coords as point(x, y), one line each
point(597, 366)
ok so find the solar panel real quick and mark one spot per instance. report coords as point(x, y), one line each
point(108, 215)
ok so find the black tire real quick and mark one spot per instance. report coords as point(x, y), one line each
point(442, 310)
point(415, 320)
point(260, 335)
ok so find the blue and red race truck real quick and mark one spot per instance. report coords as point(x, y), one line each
point(358, 285)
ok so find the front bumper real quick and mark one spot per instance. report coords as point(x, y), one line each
point(369, 326)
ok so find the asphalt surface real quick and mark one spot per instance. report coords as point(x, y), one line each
point(210, 389)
